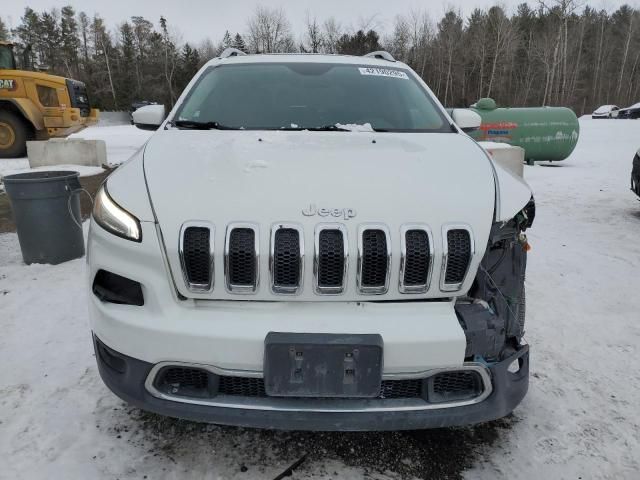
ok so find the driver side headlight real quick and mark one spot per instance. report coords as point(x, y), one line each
point(112, 217)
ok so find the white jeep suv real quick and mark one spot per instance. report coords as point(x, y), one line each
point(311, 242)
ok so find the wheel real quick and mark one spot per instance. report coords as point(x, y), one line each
point(13, 135)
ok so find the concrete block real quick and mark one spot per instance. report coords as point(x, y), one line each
point(507, 156)
point(67, 151)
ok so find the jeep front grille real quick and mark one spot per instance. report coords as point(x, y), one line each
point(286, 264)
point(196, 255)
point(241, 258)
point(287, 259)
point(331, 258)
point(457, 256)
point(374, 258)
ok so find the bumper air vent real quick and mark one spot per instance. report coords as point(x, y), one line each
point(454, 386)
point(112, 288)
point(186, 382)
point(458, 252)
point(196, 256)
point(287, 259)
point(416, 261)
point(331, 259)
point(373, 260)
point(241, 258)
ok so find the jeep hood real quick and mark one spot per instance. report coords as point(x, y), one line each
point(263, 177)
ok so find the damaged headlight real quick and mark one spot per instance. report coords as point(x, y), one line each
point(115, 219)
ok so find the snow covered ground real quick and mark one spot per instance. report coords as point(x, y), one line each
point(580, 419)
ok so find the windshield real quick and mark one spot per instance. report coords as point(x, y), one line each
point(272, 96)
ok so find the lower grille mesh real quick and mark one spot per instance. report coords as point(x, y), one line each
point(254, 387)
point(196, 251)
point(331, 258)
point(459, 256)
point(242, 386)
point(195, 382)
point(242, 257)
point(374, 259)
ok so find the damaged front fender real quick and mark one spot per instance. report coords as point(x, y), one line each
point(493, 314)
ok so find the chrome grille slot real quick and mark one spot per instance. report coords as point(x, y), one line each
point(374, 257)
point(241, 258)
point(196, 256)
point(331, 255)
point(458, 252)
point(287, 259)
point(417, 258)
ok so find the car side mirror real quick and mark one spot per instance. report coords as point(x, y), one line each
point(466, 119)
point(149, 117)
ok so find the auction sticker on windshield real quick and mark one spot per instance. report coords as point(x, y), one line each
point(382, 72)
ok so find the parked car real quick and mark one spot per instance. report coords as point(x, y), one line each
point(606, 111)
point(635, 174)
point(138, 104)
point(311, 242)
point(631, 112)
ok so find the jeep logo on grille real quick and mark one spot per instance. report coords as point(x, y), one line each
point(312, 210)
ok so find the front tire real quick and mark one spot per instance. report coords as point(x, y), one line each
point(13, 136)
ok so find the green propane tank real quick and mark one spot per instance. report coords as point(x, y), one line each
point(545, 133)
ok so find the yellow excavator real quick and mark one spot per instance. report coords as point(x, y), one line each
point(37, 106)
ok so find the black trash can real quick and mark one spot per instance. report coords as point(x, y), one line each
point(43, 203)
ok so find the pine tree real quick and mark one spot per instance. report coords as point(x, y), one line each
point(226, 40)
point(28, 34)
point(70, 42)
point(238, 42)
point(4, 31)
point(189, 65)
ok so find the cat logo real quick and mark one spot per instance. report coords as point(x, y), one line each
point(7, 84)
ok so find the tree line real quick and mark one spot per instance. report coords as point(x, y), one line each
point(557, 52)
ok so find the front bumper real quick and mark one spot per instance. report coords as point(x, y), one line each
point(128, 378)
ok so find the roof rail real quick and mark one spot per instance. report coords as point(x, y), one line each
point(231, 52)
point(382, 55)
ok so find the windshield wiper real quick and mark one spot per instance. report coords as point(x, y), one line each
point(335, 128)
point(327, 128)
point(195, 125)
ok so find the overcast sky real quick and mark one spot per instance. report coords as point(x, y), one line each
point(199, 19)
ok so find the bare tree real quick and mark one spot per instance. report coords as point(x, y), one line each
point(332, 31)
point(500, 28)
point(269, 31)
point(314, 36)
point(625, 54)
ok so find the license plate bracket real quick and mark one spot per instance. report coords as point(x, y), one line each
point(323, 365)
